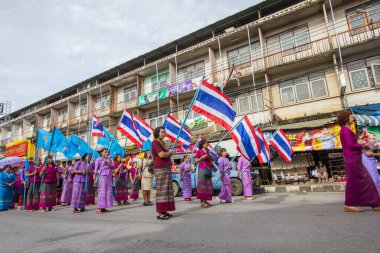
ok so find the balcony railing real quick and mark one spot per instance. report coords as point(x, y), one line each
point(120, 106)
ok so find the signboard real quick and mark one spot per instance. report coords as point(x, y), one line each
point(153, 97)
point(186, 86)
point(196, 123)
point(17, 150)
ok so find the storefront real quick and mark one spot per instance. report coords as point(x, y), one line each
point(19, 148)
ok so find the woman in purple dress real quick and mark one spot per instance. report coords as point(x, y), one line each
point(121, 186)
point(360, 189)
point(204, 186)
point(67, 184)
point(224, 169)
point(33, 195)
point(134, 181)
point(103, 170)
point(78, 200)
point(185, 171)
point(370, 163)
point(245, 172)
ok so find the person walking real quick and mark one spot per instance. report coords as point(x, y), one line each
point(7, 180)
point(360, 189)
point(121, 184)
point(185, 171)
point(244, 168)
point(48, 194)
point(33, 195)
point(146, 177)
point(105, 181)
point(67, 188)
point(79, 194)
point(225, 170)
point(204, 185)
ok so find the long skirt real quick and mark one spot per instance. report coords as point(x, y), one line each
point(6, 196)
point(59, 190)
point(204, 187)
point(225, 192)
point(247, 184)
point(48, 195)
point(186, 186)
point(370, 163)
point(18, 194)
point(105, 192)
point(78, 199)
point(360, 189)
point(121, 191)
point(165, 194)
point(67, 191)
point(33, 197)
point(90, 200)
point(135, 190)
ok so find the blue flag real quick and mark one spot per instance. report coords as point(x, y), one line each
point(44, 139)
point(83, 146)
point(115, 149)
point(61, 144)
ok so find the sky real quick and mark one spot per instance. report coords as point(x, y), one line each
point(49, 45)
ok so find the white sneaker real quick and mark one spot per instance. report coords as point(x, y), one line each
point(218, 199)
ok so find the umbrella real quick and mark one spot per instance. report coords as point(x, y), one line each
point(12, 161)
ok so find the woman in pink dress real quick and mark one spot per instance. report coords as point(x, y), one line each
point(204, 186)
point(244, 168)
point(48, 193)
point(224, 169)
point(134, 181)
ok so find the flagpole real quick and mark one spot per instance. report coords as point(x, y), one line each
point(26, 168)
point(43, 174)
point(229, 131)
point(228, 166)
point(187, 113)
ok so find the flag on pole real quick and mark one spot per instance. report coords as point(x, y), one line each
point(44, 139)
point(172, 127)
point(214, 105)
point(264, 156)
point(115, 148)
point(83, 147)
point(282, 144)
point(64, 145)
point(97, 127)
point(127, 128)
point(142, 128)
point(246, 139)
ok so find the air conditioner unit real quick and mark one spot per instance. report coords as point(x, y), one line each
point(342, 83)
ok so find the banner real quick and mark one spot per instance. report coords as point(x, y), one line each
point(186, 86)
point(153, 97)
point(17, 150)
point(196, 123)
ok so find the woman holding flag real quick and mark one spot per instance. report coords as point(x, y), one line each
point(205, 161)
point(33, 195)
point(185, 170)
point(78, 199)
point(103, 170)
point(224, 169)
point(244, 168)
point(90, 194)
point(67, 190)
point(121, 187)
point(48, 193)
point(162, 164)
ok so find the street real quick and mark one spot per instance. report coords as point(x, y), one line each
point(312, 222)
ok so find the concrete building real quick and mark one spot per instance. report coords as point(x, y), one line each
point(291, 61)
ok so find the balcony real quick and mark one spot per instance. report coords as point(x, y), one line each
point(120, 106)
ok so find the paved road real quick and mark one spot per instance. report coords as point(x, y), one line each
point(312, 222)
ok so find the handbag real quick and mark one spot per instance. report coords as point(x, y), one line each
point(208, 172)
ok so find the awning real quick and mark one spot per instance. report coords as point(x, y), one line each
point(366, 120)
point(369, 109)
point(304, 124)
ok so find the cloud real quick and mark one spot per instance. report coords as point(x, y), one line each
point(47, 46)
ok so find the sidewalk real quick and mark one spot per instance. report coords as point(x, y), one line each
point(294, 188)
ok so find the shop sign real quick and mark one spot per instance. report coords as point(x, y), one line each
point(153, 97)
point(196, 123)
point(17, 150)
point(186, 86)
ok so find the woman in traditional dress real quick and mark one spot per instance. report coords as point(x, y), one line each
point(18, 187)
point(185, 172)
point(133, 176)
point(224, 169)
point(146, 177)
point(121, 175)
point(164, 184)
point(78, 199)
point(204, 186)
point(48, 193)
point(244, 168)
point(370, 163)
point(90, 199)
point(360, 189)
point(103, 170)
point(60, 180)
point(7, 179)
point(33, 196)
point(67, 190)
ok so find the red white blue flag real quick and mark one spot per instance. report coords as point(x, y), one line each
point(97, 127)
point(264, 156)
point(172, 127)
point(126, 127)
point(282, 144)
point(142, 128)
point(213, 104)
point(246, 140)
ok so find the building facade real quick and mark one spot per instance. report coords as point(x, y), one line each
point(282, 62)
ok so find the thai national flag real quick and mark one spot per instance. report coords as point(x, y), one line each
point(172, 127)
point(97, 127)
point(264, 156)
point(142, 128)
point(213, 104)
point(282, 144)
point(127, 128)
point(246, 140)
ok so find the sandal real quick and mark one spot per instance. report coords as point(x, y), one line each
point(126, 203)
point(119, 203)
point(145, 204)
point(163, 217)
point(168, 214)
point(76, 211)
point(208, 204)
point(204, 205)
point(99, 211)
point(150, 203)
point(83, 210)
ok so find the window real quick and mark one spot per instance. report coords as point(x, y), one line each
point(318, 88)
point(83, 108)
point(359, 79)
point(287, 95)
point(62, 115)
point(163, 81)
point(289, 42)
point(47, 120)
point(257, 102)
point(240, 56)
point(157, 118)
point(191, 71)
point(364, 17)
point(302, 91)
point(234, 105)
point(244, 104)
point(192, 114)
point(102, 102)
point(130, 93)
point(376, 73)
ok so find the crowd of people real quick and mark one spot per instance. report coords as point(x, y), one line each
point(110, 179)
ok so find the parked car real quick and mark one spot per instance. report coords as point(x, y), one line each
point(236, 183)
